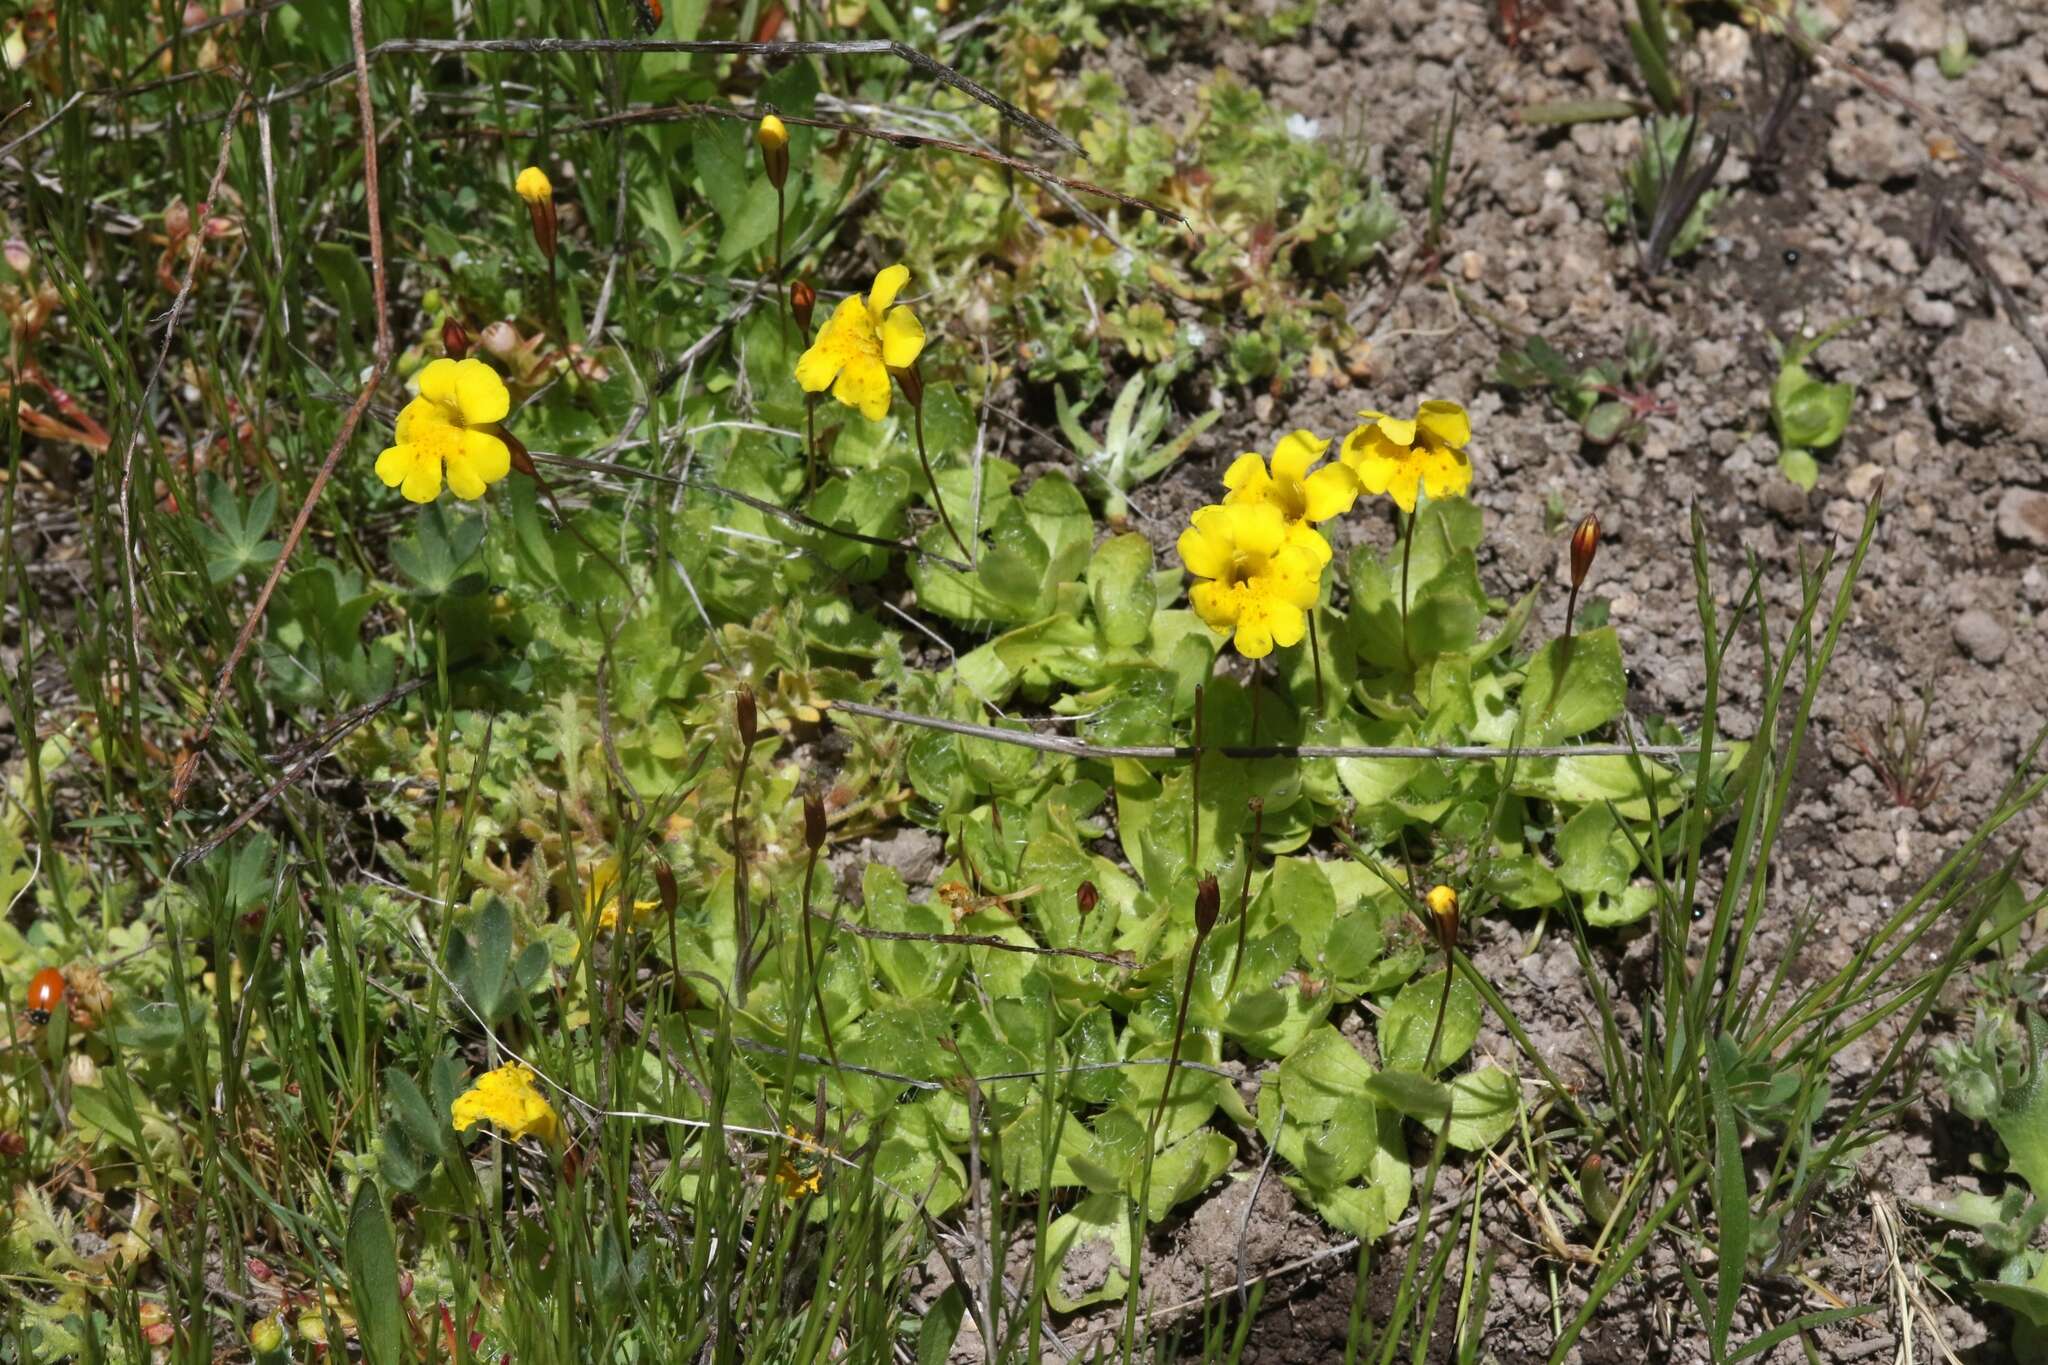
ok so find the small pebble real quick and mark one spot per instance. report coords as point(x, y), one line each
point(1979, 635)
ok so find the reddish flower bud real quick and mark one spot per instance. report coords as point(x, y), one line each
point(814, 823)
point(1086, 897)
point(802, 301)
point(1585, 544)
point(744, 716)
point(912, 384)
point(1208, 905)
point(516, 448)
point(454, 339)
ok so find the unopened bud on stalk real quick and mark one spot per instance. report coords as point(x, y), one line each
point(814, 823)
point(454, 339)
point(802, 300)
point(534, 187)
point(743, 715)
point(774, 140)
point(1585, 544)
point(266, 1338)
point(1443, 906)
point(1594, 1191)
point(1208, 904)
point(912, 384)
point(1086, 897)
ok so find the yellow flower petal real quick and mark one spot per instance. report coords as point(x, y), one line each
point(1205, 556)
point(437, 382)
point(480, 395)
point(1329, 492)
point(1254, 637)
point(902, 339)
point(1247, 474)
point(1445, 473)
point(864, 384)
point(396, 463)
point(1303, 540)
point(1296, 452)
point(507, 1099)
point(532, 185)
point(1257, 528)
point(1395, 429)
point(817, 368)
point(1216, 605)
point(419, 412)
point(888, 285)
point(488, 455)
point(1444, 421)
point(423, 481)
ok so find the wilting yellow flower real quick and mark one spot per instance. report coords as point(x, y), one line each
point(599, 897)
point(507, 1099)
point(446, 426)
point(533, 185)
point(1303, 498)
point(1393, 456)
point(860, 343)
point(1263, 574)
point(795, 1182)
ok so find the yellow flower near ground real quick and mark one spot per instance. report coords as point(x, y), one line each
point(771, 133)
point(533, 185)
point(446, 428)
point(1262, 574)
point(599, 897)
point(860, 343)
point(1303, 497)
point(508, 1100)
point(1395, 457)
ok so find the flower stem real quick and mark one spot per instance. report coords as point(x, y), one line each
point(1407, 548)
point(810, 444)
point(811, 963)
point(781, 294)
point(1258, 805)
point(917, 419)
point(1315, 653)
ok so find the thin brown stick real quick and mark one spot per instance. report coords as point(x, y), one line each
point(373, 208)
point(790, 515)
point(969, 941)
point(333, 735)
point(195, 248)
point(684, 111)
point(1074, 748)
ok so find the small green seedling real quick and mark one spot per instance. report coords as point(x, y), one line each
point(1129, 452)
point(1808, 414)
point(1611, 400)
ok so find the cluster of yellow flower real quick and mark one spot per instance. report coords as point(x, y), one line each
point(862, 344)
point(1257, 553)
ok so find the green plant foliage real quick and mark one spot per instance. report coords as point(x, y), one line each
point(1808, 414)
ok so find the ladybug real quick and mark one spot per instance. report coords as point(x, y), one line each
point(45, 993)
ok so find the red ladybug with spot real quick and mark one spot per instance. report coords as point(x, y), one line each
point(45, 993)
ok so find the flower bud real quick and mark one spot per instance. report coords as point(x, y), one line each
point(266, 1338)
point(744, 717)
point(312, 1329)
point(802, 300)
point(1086, 897)
point(454, 339)
point(814, 823)
point(533, 186)
point(774, 140)
point(516, 450)
point(1443, 905)
point(1585, 544)
point(1594, 1191)
point(912, 384)
point(501, 339)
point(1208, 904)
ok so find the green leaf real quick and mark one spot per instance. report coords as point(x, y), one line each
point(1483, 1106)
point(1731, 1195)
point(1087, 1254)
point(1799, 467)
point(2024, 1300)
point(1120, 586)
point(1605, 422)
point(1412, 1094)
point(1594, 856)
point(1298, 895)
point(941, 1327)
point(372, 1259)
point(1185, 1169)
point(1572, 686)
point(1405, 1028)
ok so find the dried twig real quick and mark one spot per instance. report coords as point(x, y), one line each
point(1075, 748)
point(970, 941)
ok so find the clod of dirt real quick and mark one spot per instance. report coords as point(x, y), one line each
point(1988, 380)
point(2023, 517)
point(914, 853)
point(1872, 145)
point(1979, 635)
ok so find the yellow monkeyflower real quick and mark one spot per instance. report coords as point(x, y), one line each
point(447, 426)
point(1393, 456)
point(860, 343)
point(507, 1099)
point(1263, 575)
point(599, 897)
point(1303, 498)
point(771, 133)
point(533, 185)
